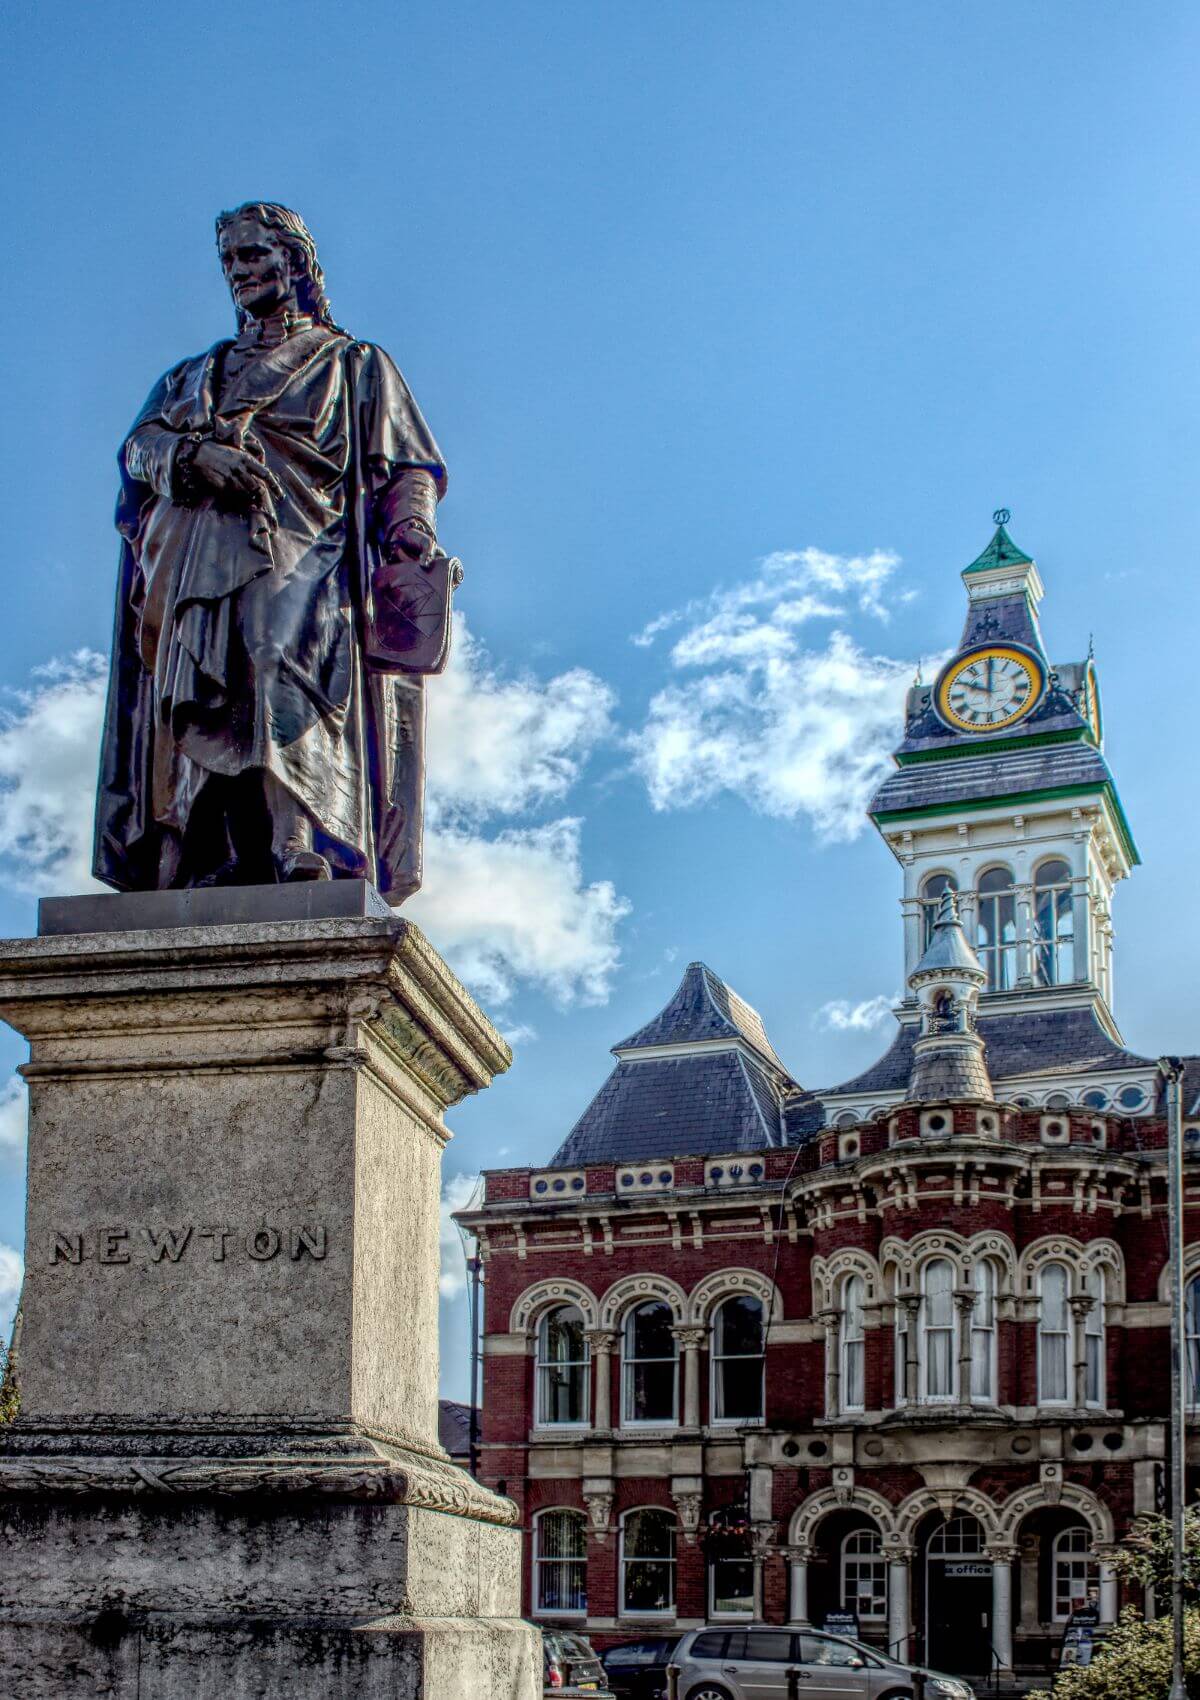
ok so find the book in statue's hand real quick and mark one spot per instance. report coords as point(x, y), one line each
point(408, 617)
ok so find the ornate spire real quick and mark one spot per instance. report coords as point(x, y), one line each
point(948, 1058)
point(1001, 551)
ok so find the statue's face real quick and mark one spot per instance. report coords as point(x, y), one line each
point(257, 267)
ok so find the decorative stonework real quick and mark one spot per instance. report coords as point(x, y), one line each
point(599, 1509)
point(639, 1289)
point(543, 1295)
point(687, 1508)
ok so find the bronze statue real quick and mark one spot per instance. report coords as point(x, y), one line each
point(280, 597)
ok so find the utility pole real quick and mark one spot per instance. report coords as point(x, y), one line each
point(475, 1270)
point(1172, 1068)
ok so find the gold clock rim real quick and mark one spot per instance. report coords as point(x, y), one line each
point(1012, 653)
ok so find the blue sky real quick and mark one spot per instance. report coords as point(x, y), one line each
point(744, 315)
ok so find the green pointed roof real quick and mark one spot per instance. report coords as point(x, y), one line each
point(1000, 552)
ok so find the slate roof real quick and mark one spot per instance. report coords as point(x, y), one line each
point(703, 1008)
point(962, 779)
point(454, 1427)
point(674, 1106)
point(1056, 1041)
point(696, 1101)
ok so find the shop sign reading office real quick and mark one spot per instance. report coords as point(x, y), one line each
point(187, 1241)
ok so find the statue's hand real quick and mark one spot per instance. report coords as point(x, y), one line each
point(233, 473)
point(410, 540)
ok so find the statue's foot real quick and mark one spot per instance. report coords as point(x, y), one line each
point(303, 865)
point(226, 874)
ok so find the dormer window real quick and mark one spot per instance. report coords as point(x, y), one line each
point(996, 939)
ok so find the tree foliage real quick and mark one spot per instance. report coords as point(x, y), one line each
point(1133, 1662)
point(1144, 1557)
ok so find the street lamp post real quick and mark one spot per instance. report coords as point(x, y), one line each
point(1172, 1068)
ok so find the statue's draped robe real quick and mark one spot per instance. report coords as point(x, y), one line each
point(238, 640)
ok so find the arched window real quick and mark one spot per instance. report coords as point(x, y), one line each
point(932, 887)
point(960, 1537)
point(560, 1561)
point(864, 1575)
point(648, 1563)
point(938, 1359)
point(851, 1343)
point(737, 1361)
point(1053, 925)
point(1054, 1335)
point(1093, 1339)
point(1191, 1325)
point(996, 929)
point(562, 1367)
point(983, 1333)
point(649, 1365)
point(1076, 1572)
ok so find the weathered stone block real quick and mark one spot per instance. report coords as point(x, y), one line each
point(225, 1478)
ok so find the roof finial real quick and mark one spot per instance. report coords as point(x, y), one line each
point(1002, 516)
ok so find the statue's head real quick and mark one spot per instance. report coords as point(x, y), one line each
point(269, 258)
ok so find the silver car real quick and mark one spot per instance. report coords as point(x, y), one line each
point(756, 1664)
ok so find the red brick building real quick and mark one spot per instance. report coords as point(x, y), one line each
point(895, 1348)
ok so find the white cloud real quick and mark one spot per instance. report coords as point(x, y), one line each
point(839, 1015)
point(457, 1192)
point(515, 908)
point(14, 1115)
point(509, 909)
point(499, 745)
point(793, 585)
point(806, 734)
point(12, 1270)
point(793, 730)
point(49, 751)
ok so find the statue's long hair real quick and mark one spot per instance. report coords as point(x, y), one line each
point(310, 287)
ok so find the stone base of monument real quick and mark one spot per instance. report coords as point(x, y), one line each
point(225, 1477)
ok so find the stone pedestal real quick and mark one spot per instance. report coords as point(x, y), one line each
point(225, 1478)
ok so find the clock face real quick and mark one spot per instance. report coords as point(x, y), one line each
point(990, 689)
point(1091, 704)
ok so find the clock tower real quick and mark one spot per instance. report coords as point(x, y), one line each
point(1001, 795)
point(1002, 792)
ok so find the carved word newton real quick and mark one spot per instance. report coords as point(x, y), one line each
point(187, 1242)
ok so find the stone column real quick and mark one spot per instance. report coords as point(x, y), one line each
point(690, 1341)
point(913, 947)
point(762, 1544)
point(830, 1320)
point(798, 1558)
point(912, 1365)
point(1108, 1587)
point(235, 1142)
point(1025, 944)
point(600, 1344)
point(899, 1601)
point(1081, 1305)
point(1002, 1621)
point(964, 1304)
point(1028, 1547)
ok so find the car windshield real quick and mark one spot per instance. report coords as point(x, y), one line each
point(577, 1647)
point(638, 1653)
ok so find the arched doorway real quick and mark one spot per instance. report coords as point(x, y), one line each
point(958, 1597)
